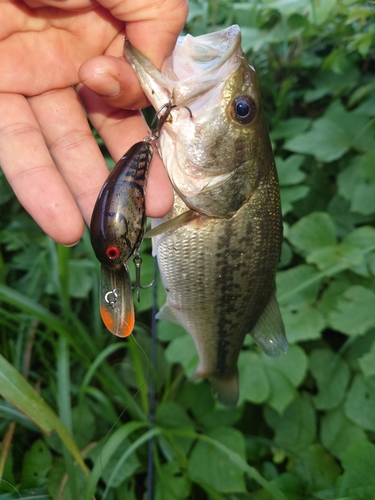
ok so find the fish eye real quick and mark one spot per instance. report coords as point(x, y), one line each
point(243, 109)
point(112, 252)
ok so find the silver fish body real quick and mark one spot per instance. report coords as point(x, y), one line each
point(218, 263)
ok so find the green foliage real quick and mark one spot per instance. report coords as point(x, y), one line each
point(75, 424)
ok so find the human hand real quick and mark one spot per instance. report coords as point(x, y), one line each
point(47, 150)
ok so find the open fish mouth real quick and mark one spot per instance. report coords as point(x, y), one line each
point(196, 66)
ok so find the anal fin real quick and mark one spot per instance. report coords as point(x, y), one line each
point(167, 313)
point(269, 331)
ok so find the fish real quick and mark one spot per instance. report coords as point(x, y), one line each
point(219, 247)
point(116, 230)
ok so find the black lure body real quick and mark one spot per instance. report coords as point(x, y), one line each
point(119, 218)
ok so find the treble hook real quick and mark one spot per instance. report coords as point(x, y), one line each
point(164, 117)
point(137, 286)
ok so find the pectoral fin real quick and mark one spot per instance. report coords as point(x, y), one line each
point(178, 221)
point(269, 332)
point(167, 313)
point(116, 300)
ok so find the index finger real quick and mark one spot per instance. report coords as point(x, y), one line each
point(152, 27)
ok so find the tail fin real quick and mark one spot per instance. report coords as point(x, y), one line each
point(226, 389)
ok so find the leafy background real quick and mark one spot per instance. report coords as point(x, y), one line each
point(74, 401)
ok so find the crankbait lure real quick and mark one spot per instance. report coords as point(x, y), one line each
point(117, 230)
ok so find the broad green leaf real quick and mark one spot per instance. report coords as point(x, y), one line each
point(208, 465)
point(80, 278)
point(182, 350)
point(367, 362)
point(289, 128)
point(291, 194)
point(172, 483)
point(332, 376)
point(317, 468)
point(366, 165)
point(329, 256)
point(358, 478)
point(170, 414)
point(289, 170)
point(253, 381)
point(302, 323)
point(167, 331)
point(282, 390)
point(294, 278)
point(83, 425)
point(292, 365)
point(363, 198)
point(333, 135)
point(360, 403)
point(354, 313)
point(337, 432)
point(128, 469)
point(316, 230)
point(296, 427)
point(362, 237)
point(36, 464)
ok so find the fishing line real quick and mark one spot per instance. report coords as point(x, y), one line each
point(146, 378)
point(152, 389)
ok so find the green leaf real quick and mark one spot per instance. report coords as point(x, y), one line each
point(354, 313)
point(317, 468)
point(15, 389)
point(332, 376)
point(362, 237)
point(170, 414)
point(291, 194)
point(36, 464)
point(333, 135)
point(329, 256)
point(297, 277)
point(208, 465)
point(316, 230)
point(363, 198)
point(292, 365)
point(282, 390)
point(338, 432)
point(367, 362)
point(172, 483)
point(358, 478)
point(167, 331)
point(182, 350)
point(296, 428)
point(253, 381)
point(289, 170)
point(80, 278)
point(83, 425)
point(302, 323)
point(360, 403)
point(289, 128)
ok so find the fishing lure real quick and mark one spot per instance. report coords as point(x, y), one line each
point(117, 230)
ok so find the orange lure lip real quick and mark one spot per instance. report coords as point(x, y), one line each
point(122, 329)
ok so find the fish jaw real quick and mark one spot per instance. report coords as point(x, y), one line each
point(196, 65)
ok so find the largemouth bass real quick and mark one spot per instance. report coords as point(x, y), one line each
point(219, 247)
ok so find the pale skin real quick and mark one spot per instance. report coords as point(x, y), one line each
point(47, 150)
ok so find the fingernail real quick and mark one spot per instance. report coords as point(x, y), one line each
point(104, 84)
point(72, 245)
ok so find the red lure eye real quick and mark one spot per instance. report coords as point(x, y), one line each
point(112, 253)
